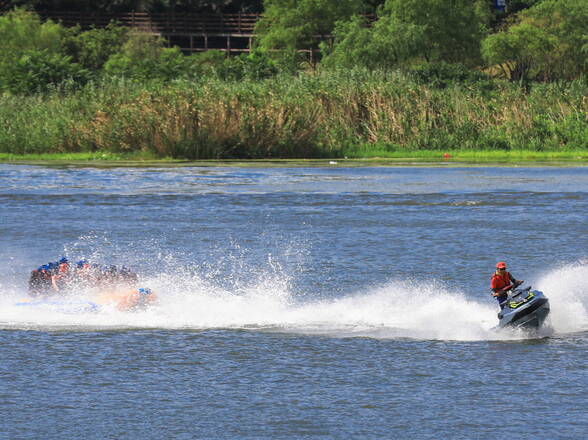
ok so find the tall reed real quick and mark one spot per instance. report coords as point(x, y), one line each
point(326, 114)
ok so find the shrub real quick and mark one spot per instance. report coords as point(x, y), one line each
point(38, 70)
point(442, 74)
point(253, 66)
point(21, 30)
point(93, 48)
point(144, 57)
point(206, 63)
point(31, 54)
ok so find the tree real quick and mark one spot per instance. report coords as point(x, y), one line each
point(518, 5)
point(76, 5)
point(414, 30)
point(216, 5)
point(548, 42)
point(295, 24)
point(356, 45)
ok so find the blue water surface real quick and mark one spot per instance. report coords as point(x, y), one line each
point(329, 303)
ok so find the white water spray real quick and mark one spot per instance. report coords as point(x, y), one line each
point(567, 290)
point(396, 310)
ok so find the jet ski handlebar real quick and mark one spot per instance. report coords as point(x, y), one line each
point(516, 284)
point(514, 292)
point(511, 288)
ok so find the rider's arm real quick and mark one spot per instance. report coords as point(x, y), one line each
point(498, 292)
point(54, 279)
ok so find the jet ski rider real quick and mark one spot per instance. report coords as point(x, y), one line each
point(502, 281)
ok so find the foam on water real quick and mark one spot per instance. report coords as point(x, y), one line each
point(567, 290)
point(413, 310)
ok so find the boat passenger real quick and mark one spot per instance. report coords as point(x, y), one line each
point(82, 265)
point(127, 276)
point(138, 299)
point(501, 282)
point(82, 272)
point(40, 282)
point(35, 282)
point(61, 275)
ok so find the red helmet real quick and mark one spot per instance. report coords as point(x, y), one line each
point(501, 265)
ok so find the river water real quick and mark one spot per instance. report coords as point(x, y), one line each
point(297, 303)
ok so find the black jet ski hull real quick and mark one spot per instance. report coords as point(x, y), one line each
point(529, 312)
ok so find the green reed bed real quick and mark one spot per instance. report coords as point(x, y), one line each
point(331, 114)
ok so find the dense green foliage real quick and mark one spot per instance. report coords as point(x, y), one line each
point(547, 40)
point(420, 75)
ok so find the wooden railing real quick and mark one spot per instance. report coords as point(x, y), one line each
point(165, 24)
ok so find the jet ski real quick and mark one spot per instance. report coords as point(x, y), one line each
point(523, 308)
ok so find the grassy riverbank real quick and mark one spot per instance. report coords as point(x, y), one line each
point(354, 114)
point(399, 158)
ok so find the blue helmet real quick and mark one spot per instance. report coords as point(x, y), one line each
point(145, 291)
point(51, 265)
point(63, 260)
point(81, 263)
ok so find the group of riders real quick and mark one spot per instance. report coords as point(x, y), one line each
point(116, 284)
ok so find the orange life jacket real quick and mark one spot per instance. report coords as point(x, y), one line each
point(499, 282)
